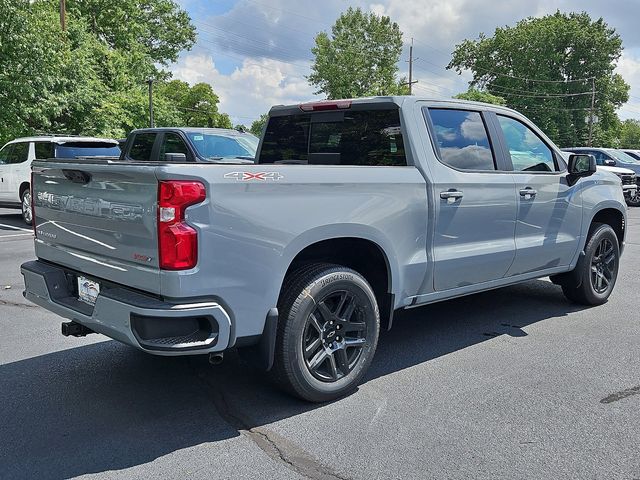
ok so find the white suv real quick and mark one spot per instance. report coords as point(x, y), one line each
point(17, 155)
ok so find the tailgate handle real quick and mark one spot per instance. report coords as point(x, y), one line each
point(77, 176)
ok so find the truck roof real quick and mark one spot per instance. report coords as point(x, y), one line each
point(399, 100)
point(63, 139)
point(219, 131)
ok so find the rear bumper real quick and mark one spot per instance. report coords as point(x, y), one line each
point(139, 320)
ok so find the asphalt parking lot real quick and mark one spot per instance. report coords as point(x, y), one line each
point(514, 383)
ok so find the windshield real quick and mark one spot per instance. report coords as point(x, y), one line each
point(623, 157)
point(217, 146)
point(87, 149)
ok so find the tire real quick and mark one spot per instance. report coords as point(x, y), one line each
point(596, 272)
point(25, 205)
point(328, 331)
point(634, 201)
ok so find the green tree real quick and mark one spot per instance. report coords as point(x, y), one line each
point(159, 28)
point(359, 57)
point(475, 95)
point(198, 105)
point(258, 125)
point(543, 67)
point(629, 134)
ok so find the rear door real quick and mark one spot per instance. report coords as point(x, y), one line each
point(99, 218)
point(549, 209)
point(474, 198)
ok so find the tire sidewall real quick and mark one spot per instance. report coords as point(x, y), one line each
point(601, 233)
point(24, 218)
point(316, 291)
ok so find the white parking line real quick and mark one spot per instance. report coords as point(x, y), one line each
point(15, 228)
point(17, 235)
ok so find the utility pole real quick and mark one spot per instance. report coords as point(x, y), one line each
point(150, 82)
point(411, 81)
point(593, 106)
point(63, 15)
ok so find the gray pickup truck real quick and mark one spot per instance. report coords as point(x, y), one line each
point(354, 209)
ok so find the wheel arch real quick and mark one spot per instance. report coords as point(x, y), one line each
point(23, 186)
point(612, 216)
point(354, 248)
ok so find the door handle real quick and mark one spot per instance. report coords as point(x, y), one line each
point(451, 195)
point(528, 193)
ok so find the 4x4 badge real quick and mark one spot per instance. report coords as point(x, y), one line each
point(249, 176)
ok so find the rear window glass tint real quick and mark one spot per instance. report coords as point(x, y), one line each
point(142, 146)
point(86, 149)
point(365, 137)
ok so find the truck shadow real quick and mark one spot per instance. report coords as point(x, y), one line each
point(106, 407)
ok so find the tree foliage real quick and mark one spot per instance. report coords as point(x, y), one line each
point(92, 78)
point(258, 125)
point(359, 57)
point(629, 134)
point(543, 67)
point(475, 95)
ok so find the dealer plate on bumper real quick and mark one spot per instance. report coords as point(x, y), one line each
point(88, 290)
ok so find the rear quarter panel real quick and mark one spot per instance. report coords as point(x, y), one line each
point(250, 231)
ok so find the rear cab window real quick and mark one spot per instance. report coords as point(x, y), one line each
point(86, 149)
point(350, 137)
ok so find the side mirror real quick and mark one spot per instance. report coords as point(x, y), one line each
point(581, 165)
point(609, 162)
point(175, 157)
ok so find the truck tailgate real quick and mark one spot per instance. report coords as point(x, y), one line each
point(99, 218)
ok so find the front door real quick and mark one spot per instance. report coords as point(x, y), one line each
point(475, 201)
point(549, 209)
point(5, 170)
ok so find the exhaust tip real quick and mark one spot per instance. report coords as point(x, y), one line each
point(216, 358)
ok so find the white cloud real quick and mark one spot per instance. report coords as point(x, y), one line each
point(271, 40)
point(629, 68)
point(251, 89)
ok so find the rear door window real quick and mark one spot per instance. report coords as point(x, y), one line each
point(362, 137)
point(142, 147)
point(44, 150)
point(462, 139)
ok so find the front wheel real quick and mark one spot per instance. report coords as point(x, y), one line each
point(327, 332)
point(597, 270)
point(634, 199)
point(25, 203)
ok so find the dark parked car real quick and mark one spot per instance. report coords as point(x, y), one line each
point(179, 145)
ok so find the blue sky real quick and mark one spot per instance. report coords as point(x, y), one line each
point(256, 53)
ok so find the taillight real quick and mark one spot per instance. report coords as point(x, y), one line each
point(177, 241)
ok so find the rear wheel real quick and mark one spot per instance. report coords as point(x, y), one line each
point(25, 203)
point(327, 332)
point(597, 271)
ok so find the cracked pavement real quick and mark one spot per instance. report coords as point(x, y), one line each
point(513, 383)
